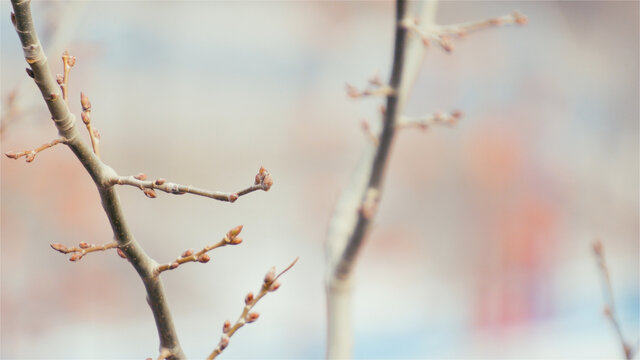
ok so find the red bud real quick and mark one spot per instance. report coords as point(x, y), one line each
point(275, 286)
point(160, 181)
point(226, 327)
point(83, 245)
point(248, 299)
point(58, 247)
point(204, 258)
point(150, 193)
point(75, 257)
point(121, 253)
point(252, 317)
point(141, 176)
point(187, 252)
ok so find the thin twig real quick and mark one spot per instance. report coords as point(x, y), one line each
point(442, 34)
point(67, 61)
point(264, 181)
point(30, 155)
point(610, 308)
point(82, 249)
point(269, 284)
point(86, 119)
point(424, 122)
point(231, 238)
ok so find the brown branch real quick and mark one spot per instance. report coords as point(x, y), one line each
point(100, 173)
point(83, 249)
point(231, 238)
point(30, 155)
point(263, 181)
point(443, 34)
point(269, 284)
point(609, 308)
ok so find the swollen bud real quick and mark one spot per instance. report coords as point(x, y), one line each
point(174, 265)
point(204, 258)
point(275, 286)
point(75, 257)
point(224, 342)
point(160, 181)
point(86, 119)
point(187, 252)
point(226, 327)
point(235, 231)
point(252, 317)
point(141, 176)
point(121, 253)
point(84, 101)
point(83, 245)
point(58, 247)
point(248, 299)
point(150, 193)
point(270, 276)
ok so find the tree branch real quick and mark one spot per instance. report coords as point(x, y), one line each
point(270, 284)
point(100, 173)
point(263, 181)
point(359, 201)
point(610, 305)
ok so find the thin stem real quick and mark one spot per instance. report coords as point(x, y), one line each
point(30, 155)
point(610, 307)
point(178, 189)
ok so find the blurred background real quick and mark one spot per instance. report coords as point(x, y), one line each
point(482, 245)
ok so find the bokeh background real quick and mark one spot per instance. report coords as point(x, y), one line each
point(482, 245)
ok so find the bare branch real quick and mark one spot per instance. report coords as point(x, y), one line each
point(263, 181)
point(443, 34)
point(83, 249)
point(359, 202)
point(30, 155)
point(100, 173)
point(269, 284)
point(231, 238)
point(374, 89)
point(424, 122)
point(609, 308)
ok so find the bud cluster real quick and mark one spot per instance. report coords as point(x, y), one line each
point(264, 179)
